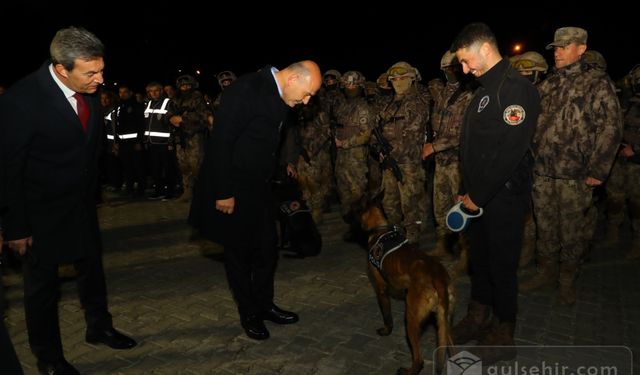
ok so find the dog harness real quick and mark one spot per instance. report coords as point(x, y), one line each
point(387, 243)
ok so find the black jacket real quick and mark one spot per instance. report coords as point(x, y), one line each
point(497, 133)
point(50, 169)
point(239, 161)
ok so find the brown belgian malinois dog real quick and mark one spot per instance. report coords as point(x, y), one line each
point(395, 265)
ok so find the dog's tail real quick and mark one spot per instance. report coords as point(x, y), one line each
point(446, 301)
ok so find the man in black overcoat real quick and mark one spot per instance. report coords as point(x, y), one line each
point(232, 204)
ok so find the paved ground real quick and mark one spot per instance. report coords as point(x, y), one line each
point(168, 290)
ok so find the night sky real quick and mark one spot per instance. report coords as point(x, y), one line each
point(156, 43)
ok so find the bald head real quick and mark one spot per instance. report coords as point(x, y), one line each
point(299, 82)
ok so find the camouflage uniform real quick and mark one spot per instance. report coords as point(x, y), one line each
point(404, 128)
point(533, 66)
point(624, 182)
point(314, 163)
point(383, 96)
point(565, 155)
point(355, 117)
point(446, 120)
point(190, 136)
point(330, 96)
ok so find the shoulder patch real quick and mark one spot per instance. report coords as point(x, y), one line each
point(514, 115)
point(483, 103)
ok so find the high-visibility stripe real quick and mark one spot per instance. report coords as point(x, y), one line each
point(157, 134)
point(161, 110)
point(109, 136)
point(128, 136)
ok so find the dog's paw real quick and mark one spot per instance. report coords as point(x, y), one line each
point(384, 331)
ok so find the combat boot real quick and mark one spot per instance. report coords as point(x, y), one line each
point(567, 282)
point(474, 326)
point(497, 345)
point(186, 194)
point(546, 275)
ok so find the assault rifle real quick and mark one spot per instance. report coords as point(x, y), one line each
point(384, 148)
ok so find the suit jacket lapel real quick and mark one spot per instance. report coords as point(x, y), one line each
point(57, 99)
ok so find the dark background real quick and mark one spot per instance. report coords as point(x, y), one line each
point(165, 39)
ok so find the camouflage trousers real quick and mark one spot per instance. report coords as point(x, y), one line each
point(401, 200)
point(314, 179)
point(351, 176)
point(189, 159)
point(374, 177)
point(564, 213)
point(623, 191)
point(446, 185)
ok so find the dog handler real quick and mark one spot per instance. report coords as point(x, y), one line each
point(496, 165)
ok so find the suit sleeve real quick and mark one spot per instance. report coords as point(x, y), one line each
point(15, 140)
point(230, 123)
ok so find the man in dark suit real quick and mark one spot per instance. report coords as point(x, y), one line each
point(232, 204)
point(8, 357)
point(51, 130)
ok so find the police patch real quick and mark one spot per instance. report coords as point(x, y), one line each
point(514, 115)
point(483, 103)
point(294, 206)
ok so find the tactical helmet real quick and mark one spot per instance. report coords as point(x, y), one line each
point(383, 81)
point(448, 59)
point(529, 61)
point(187, 79)
point(331, 72)
point(352, 77)
point(403, 69)
point(224, 76)
point(370, 86)
point(595, 59)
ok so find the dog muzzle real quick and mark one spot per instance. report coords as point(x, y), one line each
point(459, 217)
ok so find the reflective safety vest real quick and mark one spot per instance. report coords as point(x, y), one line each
point(158, 128)
point(110, 126)
point(115, 130)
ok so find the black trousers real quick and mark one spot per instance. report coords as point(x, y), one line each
point(162, 162)
point(251, 269)
point(132, 162)
point(495, 241)
point(8, 359)
point(41, 296)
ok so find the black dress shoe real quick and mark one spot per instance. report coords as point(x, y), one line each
point(254, 328)
point(61, 367)
point(111, 338)
point(277, 315)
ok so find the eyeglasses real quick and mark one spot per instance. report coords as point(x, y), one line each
point(524, 64)
point(398, 71)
